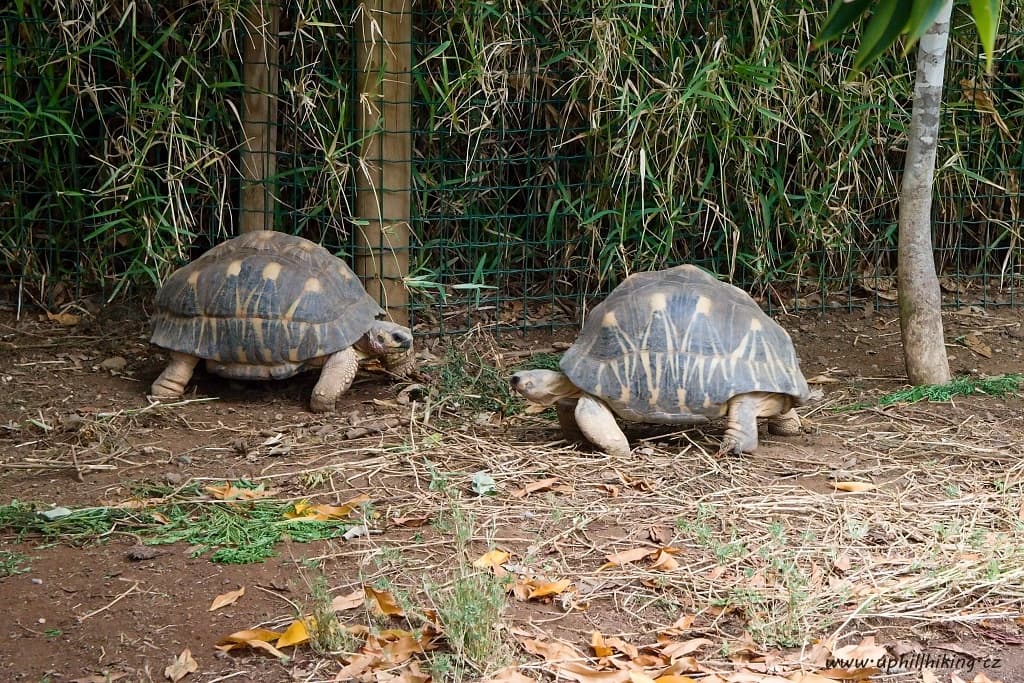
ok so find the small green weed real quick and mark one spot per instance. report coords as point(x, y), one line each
point(12, 563)
point(237, 531)
point(999, 386)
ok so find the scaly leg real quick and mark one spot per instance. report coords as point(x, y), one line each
point(336, 377)
point(566, 409)
point(741, 434)
point(597, 422)
point(172, 381)
point(786, 424)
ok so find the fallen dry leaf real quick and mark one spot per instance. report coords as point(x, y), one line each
point(257, 638)
point(64, 319)
point(546, 589)
point(410, 522)
point(552, 651)
point(854, 486)
point(350, 601)
point(974, 343)
point(675, 678)
point(100, 678)
point(681, 649)
point(661, 535)
point(182, 666)
point(492, 558)
point(510, 674)
point(597, 644)
point(585, 674)
point(628, 556)
point(357, 666)
point(865, 651)
point(228, 491)
point(533, 487)
point(324, 513)
point(665, 562)
point(383, 602)
point(225, 599)
point(295, 634)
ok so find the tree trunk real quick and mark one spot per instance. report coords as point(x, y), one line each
point(920, 299)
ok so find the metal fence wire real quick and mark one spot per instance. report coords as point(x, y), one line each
point(549, 150)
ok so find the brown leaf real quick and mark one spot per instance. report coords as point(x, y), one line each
point(627, 556)
point(534, 487)
point(324, 513)
point(974, 343)
point(664, 561)
point(661, 535)
point(65, 320)
point(585, 674)
point(182, 666)
point(225, 599)
point(842, 562)
point(509, 674)
point(350, 601)
point(625, 648)
point(675, 678)
point(383, 602)
point(681, 649)
point(357, 666)
point(228, 491)
point(410, 522)
point(866, 650)
point(552, 651)
point(854, 486)
point(928, 676)
point(100, 678)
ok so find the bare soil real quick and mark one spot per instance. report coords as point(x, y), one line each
point(76, 430)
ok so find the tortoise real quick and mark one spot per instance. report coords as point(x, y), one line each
point(268, 305)
point(675, 346)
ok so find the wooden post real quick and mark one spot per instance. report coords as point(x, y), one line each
point(383, 117)
point(259, 117)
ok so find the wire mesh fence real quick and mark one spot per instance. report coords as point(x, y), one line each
point(549, 150)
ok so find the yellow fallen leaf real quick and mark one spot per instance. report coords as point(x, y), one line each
point(250, 634)
point(854, 486)
point(295, 634)
point(350, 601)
point(182, 666)
point(547, 589)
point(673, 678)
point(225, 599)
point(383, 602)
point(228, 491)
point(866, 650)
point(492, 558)
point(598, 645)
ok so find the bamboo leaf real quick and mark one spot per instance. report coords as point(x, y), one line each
point(986, 18)
point(887, 22)
point(922, 16)
point(842, 15)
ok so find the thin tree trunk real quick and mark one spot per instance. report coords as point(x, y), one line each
point(920, 299)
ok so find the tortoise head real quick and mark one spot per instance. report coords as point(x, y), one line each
point(391, 343)
point(543, 386)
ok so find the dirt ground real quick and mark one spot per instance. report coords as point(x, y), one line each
point(76, 429)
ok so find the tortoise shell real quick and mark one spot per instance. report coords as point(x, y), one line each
point(676, 345)
point(263, 298)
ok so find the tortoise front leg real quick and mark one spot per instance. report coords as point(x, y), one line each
point(597, 422)
point(172, 381)
point(336, 377)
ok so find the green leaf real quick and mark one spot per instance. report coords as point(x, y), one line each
point(886, 24)
point(986, 18)
point(922, 16)
point(842, 15)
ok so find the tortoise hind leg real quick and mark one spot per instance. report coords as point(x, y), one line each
point(172, 381)
point(336, 377)
point(741, 434)
point(786, 424)
point(597, 422)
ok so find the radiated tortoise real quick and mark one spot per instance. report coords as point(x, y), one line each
point(268, 305)
point(674, 346)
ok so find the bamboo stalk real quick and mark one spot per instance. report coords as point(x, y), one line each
point(259, 118)
point(384, 115)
